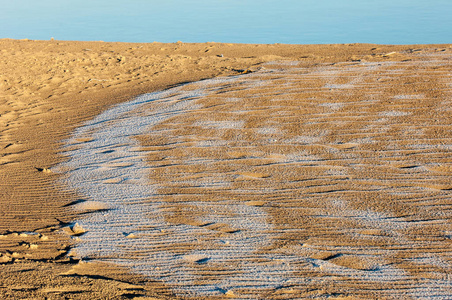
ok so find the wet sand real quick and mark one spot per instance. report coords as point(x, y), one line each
point(370, 125)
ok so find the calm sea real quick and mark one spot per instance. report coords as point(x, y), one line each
point(235, 21)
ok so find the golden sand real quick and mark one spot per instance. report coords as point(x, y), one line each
point(48, 88)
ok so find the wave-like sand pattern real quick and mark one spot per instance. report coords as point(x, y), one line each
point(287, 181)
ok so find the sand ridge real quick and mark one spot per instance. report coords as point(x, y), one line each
point(49, 87)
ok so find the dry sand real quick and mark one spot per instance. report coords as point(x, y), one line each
point(371, 136)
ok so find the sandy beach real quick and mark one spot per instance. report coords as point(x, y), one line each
point(337, 155)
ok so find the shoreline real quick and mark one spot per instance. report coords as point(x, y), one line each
point(51, 87)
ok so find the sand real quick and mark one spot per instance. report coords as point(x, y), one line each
point(364, 204)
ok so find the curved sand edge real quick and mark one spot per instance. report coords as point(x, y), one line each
point(48, 88)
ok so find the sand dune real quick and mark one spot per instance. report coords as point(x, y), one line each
point(324, 170)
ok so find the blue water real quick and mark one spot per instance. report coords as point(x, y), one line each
point(234, 21)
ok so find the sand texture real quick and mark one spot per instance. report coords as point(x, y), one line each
point(298, 171)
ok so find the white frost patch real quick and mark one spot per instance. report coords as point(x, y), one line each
point(268, 130)
point(310, 139)
point(332, 106)
point(394, 113)
point(211, 143)
point(409, 97)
